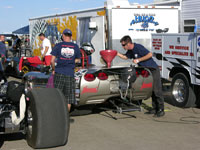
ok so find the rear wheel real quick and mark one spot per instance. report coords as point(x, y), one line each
point(47, 118)
point(182, 93)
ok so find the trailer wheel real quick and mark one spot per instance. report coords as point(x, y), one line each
point(47, 118)
point(182, 93)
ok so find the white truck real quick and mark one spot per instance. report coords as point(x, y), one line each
point(178, 56)
point(105, 26)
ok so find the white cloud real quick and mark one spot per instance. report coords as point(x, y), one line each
point(78, 0)
point(60, 9)
point(8, 7)
point(55, 8)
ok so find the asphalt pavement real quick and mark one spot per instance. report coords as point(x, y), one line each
point(179, 129)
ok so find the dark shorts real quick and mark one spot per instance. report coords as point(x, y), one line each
point(67, 85)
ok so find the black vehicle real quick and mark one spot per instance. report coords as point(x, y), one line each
point(33, 113)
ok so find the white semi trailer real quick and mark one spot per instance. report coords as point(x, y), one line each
point(178, 56)
point(105, 26)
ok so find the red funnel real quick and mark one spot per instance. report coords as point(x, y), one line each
point(108, 56)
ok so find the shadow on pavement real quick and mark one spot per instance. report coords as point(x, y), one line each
point(109, 115)
point(11, 137)
point(83, 110)
point(97, 109)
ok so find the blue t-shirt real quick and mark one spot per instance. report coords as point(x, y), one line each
point(139, 51)
point(66, 53)
point(2, 49)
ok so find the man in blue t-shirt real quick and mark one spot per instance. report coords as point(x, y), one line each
point(2, 46)
point(67, 54)
point(2, 53)
point(143, 57)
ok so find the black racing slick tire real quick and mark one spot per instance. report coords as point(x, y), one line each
point(47, 118)
point(182, 93)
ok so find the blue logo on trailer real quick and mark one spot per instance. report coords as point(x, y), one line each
point(199, 41)
point(145, 20)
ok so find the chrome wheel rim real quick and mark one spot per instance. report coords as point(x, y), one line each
point(179, 90)
point(29, 122)
point(28, 86)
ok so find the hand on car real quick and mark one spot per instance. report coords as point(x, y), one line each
point(136, 61)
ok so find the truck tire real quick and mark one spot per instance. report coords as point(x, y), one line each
point(182, 93)
point(47, 118)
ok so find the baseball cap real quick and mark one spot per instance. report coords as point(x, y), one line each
point(67, 31)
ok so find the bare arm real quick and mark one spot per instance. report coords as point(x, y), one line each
point(146, 57)
point(121, 56)
point(53, 58)
point(45, 51)
point(77, 60)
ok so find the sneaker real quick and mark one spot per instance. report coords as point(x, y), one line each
point(160, 113)
point(150, 112)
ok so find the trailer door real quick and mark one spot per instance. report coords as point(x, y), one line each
point(98, 39)
point(84, 34)
point(95, 36)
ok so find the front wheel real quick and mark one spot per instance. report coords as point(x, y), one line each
point(182, 93)
point(47, 118)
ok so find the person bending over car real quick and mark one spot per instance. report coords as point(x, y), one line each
point(45, 49)
point(143, 57)
point(67, 54)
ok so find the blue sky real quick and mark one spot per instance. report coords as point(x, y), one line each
point(15, 14)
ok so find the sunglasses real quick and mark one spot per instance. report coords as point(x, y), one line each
point(124, 44)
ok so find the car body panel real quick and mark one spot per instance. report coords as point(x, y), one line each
point(99, 91)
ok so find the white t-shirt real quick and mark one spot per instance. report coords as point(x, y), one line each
point(46, 43)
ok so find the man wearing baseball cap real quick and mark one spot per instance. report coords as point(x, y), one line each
point(67, 54)
point(67, 31)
